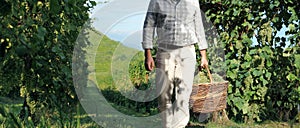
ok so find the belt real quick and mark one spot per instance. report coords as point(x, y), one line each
point(171, 46)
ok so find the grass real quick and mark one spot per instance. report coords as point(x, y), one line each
point(13, 106)
point(9, 113)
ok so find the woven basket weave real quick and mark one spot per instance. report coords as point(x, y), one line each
point(209, 97)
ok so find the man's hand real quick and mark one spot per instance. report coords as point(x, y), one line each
point(204, 61)
point(149, 62)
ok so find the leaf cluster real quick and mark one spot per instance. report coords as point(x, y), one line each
point(262, 66)
point(37, 40)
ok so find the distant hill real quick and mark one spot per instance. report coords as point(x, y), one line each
point(105, 55)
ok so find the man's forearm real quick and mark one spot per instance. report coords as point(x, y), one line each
point(203, 53)
point(149, 62)
point(148, 53)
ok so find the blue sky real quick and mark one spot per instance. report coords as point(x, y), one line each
point(121, 20)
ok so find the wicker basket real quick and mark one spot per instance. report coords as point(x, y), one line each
point(209, 97)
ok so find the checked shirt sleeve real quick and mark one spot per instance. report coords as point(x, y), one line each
point(199, 28)
point(149, 26)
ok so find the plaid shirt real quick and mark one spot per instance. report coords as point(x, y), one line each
point(177, 23)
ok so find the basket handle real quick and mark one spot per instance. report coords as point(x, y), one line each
point(209, 74)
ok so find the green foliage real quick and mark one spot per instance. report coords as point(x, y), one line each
point(137, 71)
point(37, 39)
point(264, 76)
point(202, 77)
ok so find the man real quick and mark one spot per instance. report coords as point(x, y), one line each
point(178, 25)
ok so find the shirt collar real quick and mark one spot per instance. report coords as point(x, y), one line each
point(175, 1)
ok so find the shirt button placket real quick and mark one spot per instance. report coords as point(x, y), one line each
point(175, 23)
